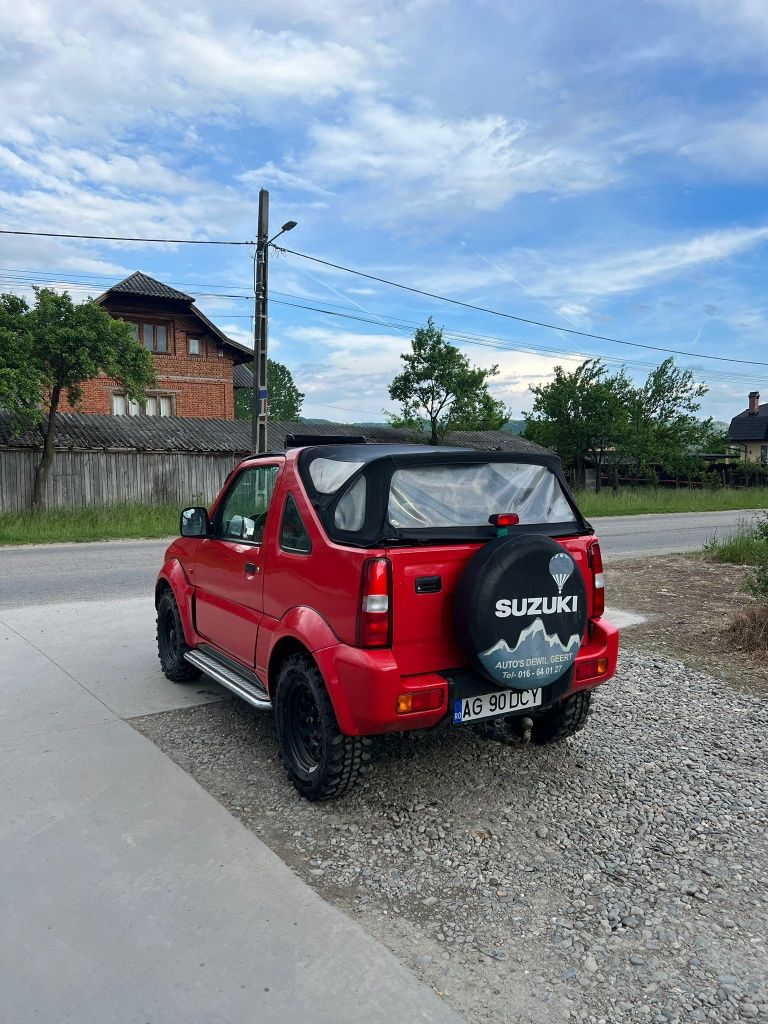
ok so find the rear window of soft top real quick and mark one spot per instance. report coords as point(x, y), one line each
point(424, 497)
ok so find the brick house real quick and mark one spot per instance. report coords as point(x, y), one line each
point(195, 361)
point(749, 431)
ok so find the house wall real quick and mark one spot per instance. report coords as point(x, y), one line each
point(754, 450)
point(200, 385)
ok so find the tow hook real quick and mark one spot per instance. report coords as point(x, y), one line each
point(512, 732)
point(527, 724)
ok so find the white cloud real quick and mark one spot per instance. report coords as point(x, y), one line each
point(431, 161)
point(271, 174)
point(747, 20)
point(77, 72)
point(572, 277)
point(634, 269)
point(736, 146)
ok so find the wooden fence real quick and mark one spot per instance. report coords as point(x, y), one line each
point(79, 479)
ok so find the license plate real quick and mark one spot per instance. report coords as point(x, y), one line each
point(501, 702)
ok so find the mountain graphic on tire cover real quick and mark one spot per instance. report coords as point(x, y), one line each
point(544, 653)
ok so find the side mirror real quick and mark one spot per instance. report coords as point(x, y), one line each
point(194, 522)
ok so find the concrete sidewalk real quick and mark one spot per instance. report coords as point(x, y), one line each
point(131, 895)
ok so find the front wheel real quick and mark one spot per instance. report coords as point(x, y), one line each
point(563, 720)
point(171, 645)
point(320, 760)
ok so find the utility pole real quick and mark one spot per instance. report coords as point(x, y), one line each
point(260, 323)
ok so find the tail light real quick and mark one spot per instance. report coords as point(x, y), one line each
point(598, 580)
point(374, 618)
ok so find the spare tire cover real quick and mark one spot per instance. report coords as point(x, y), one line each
point(520, 611)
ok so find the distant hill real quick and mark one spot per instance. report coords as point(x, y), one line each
point(515, 426)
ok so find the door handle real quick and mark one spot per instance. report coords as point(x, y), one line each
point(251, 568)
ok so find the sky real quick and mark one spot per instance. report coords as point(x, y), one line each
point(599, 167)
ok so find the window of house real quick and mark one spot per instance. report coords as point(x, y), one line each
point(764, 454)
point(157, 404)
point(195, 348)
point(293, 532)
point(152, 336)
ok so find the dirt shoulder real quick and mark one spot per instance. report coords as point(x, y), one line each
point(688, 603)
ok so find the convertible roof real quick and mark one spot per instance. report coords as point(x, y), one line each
point(422, 454)
point(376, 464)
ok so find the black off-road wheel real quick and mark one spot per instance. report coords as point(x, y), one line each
point(171, 645)
point(563, 720)
point(320, 760)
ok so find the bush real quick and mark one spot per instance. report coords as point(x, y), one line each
point(748, 629)
point(756, 580)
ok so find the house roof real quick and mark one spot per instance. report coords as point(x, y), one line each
point(144, 286)
point(242, 376)
point(172, 433)
point(750, 428)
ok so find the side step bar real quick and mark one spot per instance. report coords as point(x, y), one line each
point(252, 694)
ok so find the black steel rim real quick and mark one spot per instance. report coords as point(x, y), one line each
point(169, 636)
point(303, 728)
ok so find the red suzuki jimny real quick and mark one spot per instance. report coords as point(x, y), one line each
point(370, 588)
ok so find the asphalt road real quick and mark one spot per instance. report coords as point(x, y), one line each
point(53, 573)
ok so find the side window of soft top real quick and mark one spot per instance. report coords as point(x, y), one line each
point(293, 532)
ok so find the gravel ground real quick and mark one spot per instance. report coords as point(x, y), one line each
point(622, 876)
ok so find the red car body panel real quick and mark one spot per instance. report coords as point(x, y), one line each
point(248, 601)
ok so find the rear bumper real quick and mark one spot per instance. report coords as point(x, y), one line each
point(364, 685)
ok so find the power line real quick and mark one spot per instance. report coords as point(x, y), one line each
point(392, 284)
point(505, 345)
point(374, 319)
point(399, 324)
point(122, 238)
point(511, 316)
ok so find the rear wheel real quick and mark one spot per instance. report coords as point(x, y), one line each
point(171, 645)
point(320, 760)
point(563, 720)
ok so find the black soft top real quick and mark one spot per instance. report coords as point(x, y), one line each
point(379, 462)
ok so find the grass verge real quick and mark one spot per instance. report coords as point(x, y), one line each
point(748, 545)
point(637, 501)
point(84, 524)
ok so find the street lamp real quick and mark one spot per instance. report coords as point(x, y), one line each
point(259, 394)
point(288, 226)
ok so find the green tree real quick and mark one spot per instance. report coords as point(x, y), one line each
point(440, 390)
point(47, 351)
point(19, 387)
point(591, 413)
point(580, 414)
point(285, 399)
point(663, 426)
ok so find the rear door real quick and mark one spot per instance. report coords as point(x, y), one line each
point(423, 582)
point(229, 570)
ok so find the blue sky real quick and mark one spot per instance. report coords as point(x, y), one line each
point(599, 166)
